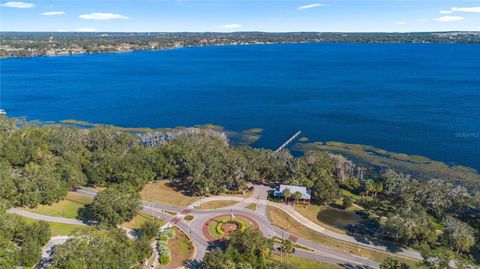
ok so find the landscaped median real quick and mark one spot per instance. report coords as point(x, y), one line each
point(220, 227)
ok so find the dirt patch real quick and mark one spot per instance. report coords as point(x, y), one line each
point(229, 227)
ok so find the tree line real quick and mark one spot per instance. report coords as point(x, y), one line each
point(15, 44)
point(39, 164)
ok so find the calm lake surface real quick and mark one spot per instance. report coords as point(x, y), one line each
point(412, 98)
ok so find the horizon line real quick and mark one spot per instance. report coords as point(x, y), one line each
point(234, 32)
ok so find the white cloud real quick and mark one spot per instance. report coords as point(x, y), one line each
point(400, 22)
point(445, 11)
point(467, 9)
point(102, 16)
point(17, 5)
point(449, 18)
point(231, 26)
point(52, 13)
point(310, 6)
point(86, 30)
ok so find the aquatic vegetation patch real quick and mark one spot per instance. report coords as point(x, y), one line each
point(379, 159)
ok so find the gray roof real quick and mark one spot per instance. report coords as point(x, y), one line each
point(293, 189)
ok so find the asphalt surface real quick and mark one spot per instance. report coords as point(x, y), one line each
point(194, 228)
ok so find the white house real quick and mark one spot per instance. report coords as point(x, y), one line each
point(306, 194)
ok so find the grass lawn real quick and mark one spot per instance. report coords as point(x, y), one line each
point(216, 204)
point(282, 220)
point(355, 198)
point(160, 193)
point(57, 229)
point(181, 249)
point(303, 263)
point(67, 208)
point(139, 219)
point(252, 206)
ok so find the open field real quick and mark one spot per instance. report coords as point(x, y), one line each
point(57, 229)
point(67, 208)
point(216, 204)
point(161, 193)
point(181, 249)
point(303, 263)
point(311, 212)
point(138, 220)
point(281, 219)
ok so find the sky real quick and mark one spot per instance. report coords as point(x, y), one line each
point(240, 15)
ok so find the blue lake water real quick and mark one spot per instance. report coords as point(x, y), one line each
point(413, 98)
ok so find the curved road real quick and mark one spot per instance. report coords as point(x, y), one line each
point(259, 196)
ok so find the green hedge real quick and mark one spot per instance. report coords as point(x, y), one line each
point(219, 230)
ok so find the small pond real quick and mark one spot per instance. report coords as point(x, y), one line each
point(338, 218)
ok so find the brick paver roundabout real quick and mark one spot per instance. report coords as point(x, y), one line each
point(209, 237)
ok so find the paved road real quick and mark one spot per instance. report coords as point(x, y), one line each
point(194, 228)
point(259, 196)
point(47, 249)
point(31, 215)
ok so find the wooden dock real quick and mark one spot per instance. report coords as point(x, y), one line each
point(288, 141)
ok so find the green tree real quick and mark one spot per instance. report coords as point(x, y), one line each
point(30, 252)
point(459, 234)
point(96, 249)
point(149, 229)
point(297, 196)
point(287, 194)
point(249, 246)
point(391, 263)
point(368, 187)
point(217, 259)
point(114, 205)
point(347, 202)
point(325, 191)
point(287, 246)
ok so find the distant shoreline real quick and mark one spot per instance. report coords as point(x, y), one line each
point(24, 45)
point(226, 45)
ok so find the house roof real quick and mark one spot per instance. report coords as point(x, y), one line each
point(306, 194)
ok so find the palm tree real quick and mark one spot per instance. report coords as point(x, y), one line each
point(287, 246)
point(287, 194)
point(297, 196)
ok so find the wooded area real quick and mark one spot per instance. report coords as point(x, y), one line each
point(39, 164)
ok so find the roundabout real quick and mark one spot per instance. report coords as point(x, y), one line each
point(222, 226)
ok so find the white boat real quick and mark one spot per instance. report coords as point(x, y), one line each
point(3, 112)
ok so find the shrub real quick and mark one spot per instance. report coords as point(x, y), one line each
point(164, 259)
point(149, 229)
point(162, 247)
point(166, 235)
point(219, 228)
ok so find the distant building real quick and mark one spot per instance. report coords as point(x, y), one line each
point(306, 194)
